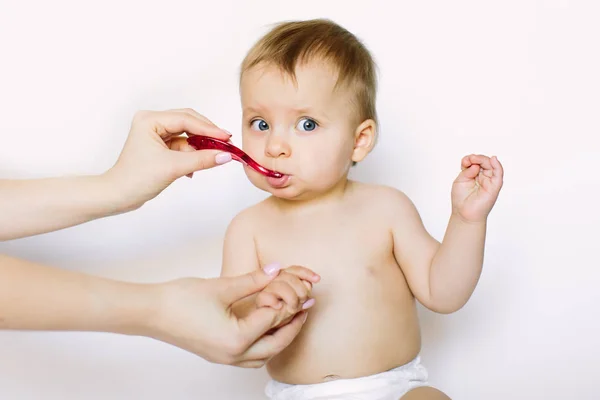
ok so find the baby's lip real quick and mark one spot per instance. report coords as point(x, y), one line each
point(279, 171)
point(279, 182)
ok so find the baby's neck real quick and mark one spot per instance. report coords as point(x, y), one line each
point(318, 202)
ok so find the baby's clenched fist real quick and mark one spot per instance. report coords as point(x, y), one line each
point(290, 291)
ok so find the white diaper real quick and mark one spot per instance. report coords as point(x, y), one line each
point(388, 385)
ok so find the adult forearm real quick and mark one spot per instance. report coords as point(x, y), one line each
point(38, 297)
point(457, 265)
point(30, 207)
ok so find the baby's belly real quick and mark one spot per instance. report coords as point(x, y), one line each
point(358, 327)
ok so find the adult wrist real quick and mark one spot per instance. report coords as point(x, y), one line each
point(114, 195)
point(132, 309)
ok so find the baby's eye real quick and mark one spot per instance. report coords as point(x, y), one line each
point(260, 125)
point(306, 124)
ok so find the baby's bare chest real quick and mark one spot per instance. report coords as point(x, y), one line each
point(332, 247)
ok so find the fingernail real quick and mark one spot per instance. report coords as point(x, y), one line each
point(272, 269)
point(304, 318)
point(308, 304)
point(223, 158)
point(227, 132)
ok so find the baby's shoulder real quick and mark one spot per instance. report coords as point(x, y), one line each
point(248, 218)
point(382, 197)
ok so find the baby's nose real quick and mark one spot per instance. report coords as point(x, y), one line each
point(277, 147)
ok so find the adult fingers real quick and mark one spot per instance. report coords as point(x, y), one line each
point(270, 345)
point(169, 123)
point(236, 288)
point(303, 273)
point(194, 113)
point(186, 163)
point(251, 364)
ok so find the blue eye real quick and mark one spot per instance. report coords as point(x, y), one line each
point(307, 124)
point(260, 125)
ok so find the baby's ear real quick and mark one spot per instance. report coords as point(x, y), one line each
point(364, 139)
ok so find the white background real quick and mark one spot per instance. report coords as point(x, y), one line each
point(517, 79)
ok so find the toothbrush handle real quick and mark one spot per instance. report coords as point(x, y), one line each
point(208, 143)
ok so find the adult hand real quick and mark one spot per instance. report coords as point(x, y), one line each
point(196, 315)
point(155, 153)
point(191, 313)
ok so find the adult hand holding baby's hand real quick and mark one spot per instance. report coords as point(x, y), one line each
point(476, 188)
point(289, 292)
point(196, 315)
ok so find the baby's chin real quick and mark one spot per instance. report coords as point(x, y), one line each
point(286, 193)
point(293, 194)
point(290, 192)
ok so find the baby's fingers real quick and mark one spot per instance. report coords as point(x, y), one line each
point(479, 159)
point(498, 172)
point(267, 299)
point(469, 173)
point(465, 162)
point(303, 288)
point(283, 291)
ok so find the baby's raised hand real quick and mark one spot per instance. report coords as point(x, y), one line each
point(476, 188)
point(290, 291)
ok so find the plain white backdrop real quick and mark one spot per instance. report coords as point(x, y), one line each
point(516, 79)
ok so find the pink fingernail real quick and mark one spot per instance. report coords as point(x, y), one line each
point(223, 158)
point(272, 269)
point(308, 304)
point(304, 318)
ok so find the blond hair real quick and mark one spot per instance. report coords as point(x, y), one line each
point(291, 43)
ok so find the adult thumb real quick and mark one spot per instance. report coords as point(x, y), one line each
point(192, 161)
point(237, 287)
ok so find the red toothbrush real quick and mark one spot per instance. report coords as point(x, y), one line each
point(209, 143)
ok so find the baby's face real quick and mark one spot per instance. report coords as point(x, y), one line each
point(305, 130)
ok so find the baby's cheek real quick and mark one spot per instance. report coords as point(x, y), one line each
point(255, 178)
point(326, 174)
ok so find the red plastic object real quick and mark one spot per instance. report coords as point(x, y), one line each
point(209, 143)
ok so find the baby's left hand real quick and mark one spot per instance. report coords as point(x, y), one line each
point(476, 188)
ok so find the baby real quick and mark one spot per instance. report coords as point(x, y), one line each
point(308, 92)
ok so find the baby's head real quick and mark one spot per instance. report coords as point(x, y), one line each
point(308, 94)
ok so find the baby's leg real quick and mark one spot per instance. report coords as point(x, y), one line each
point(425, 393)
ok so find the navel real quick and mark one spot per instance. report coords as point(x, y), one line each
point(331, 377)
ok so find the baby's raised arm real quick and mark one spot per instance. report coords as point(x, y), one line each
point(414, 247)
point(444, 276)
